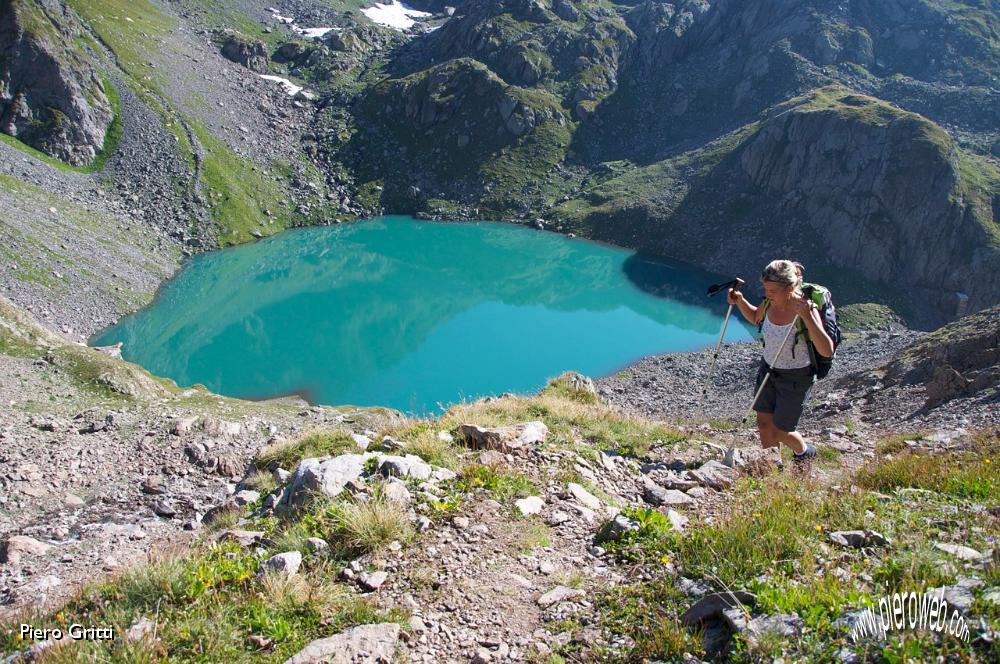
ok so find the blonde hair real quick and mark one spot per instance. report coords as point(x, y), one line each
point(784, 272)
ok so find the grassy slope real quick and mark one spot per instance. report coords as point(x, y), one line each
point(238, 195)
point(771, 539)
point(35, 252)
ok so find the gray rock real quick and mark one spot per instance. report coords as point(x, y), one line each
point(714, 474)
point(325, 477)
point(503, 439)
point(530, 505)
point(245, 538)
point(615, 529)
point(19, 546)
point(959, 551)
point(405, 466)
point(397, 493)
point(712, 605)
point(245, 497)
point(858, 538)
point(559, 594)
point(957, 596)
point(362, 441)
point(246, 51)
point(318, 545)
point(585, 498)
point(372, 582)
point(164, 508)
point(364, 644)
point(655, 494)
point(284, 564)
point(52, 98)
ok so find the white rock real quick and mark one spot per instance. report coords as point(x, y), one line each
point(586, 498)
point(286, 564)
point(530, 505)
point(559, 594)
point(364, 644)
point(959, 551)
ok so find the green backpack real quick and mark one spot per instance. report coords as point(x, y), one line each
point(821, 297)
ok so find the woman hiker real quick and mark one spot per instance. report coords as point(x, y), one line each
point(779, 405)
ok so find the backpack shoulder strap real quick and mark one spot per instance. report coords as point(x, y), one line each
point(763, 314)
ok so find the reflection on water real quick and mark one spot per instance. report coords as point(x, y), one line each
point(409, 314)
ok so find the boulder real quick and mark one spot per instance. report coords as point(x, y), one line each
point(283, 564)
point(326, 477)
point(405, 466)
point(584, 497)
point(615, 529)
point(373, 581)
point(243, 50)
point(711, 606)
point(19, 546)
point(397, 493)
point(961, 552)
point(530, 505)
point(714, 474)
point(655, 494)
point(505, 438)
point(364, 644)
point(559, 594)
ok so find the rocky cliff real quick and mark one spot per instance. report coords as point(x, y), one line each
point(882, 192)
point(51, 96)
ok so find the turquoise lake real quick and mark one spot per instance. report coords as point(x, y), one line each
point(415, 314)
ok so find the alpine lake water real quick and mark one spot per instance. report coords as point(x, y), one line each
point(415, 315)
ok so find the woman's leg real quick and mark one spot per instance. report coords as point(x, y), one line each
point(793, 439)
point(767, 431)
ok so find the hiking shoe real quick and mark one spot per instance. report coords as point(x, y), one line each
point(808, 453)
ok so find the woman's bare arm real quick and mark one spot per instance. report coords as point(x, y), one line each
point(749, 311)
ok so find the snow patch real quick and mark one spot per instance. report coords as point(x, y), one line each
point(313, 33)
point(395, 15)
point(288, 86)
point(283, 19)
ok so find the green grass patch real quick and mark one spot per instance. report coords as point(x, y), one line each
point(968, 473)
point(240, 196)
point(866, 316)
point(206, 606)
point(504, 485)
point(288, 453)
point(353, 528)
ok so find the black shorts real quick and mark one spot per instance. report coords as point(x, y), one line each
point(784, 394)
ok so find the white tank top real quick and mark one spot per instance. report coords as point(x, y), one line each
point(773, 336)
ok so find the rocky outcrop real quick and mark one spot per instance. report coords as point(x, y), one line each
point(51, 96)
point(251, 53)
point(882, 192)
point(959, 360)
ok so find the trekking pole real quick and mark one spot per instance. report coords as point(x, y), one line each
point(769, 369)
point(711, 367)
